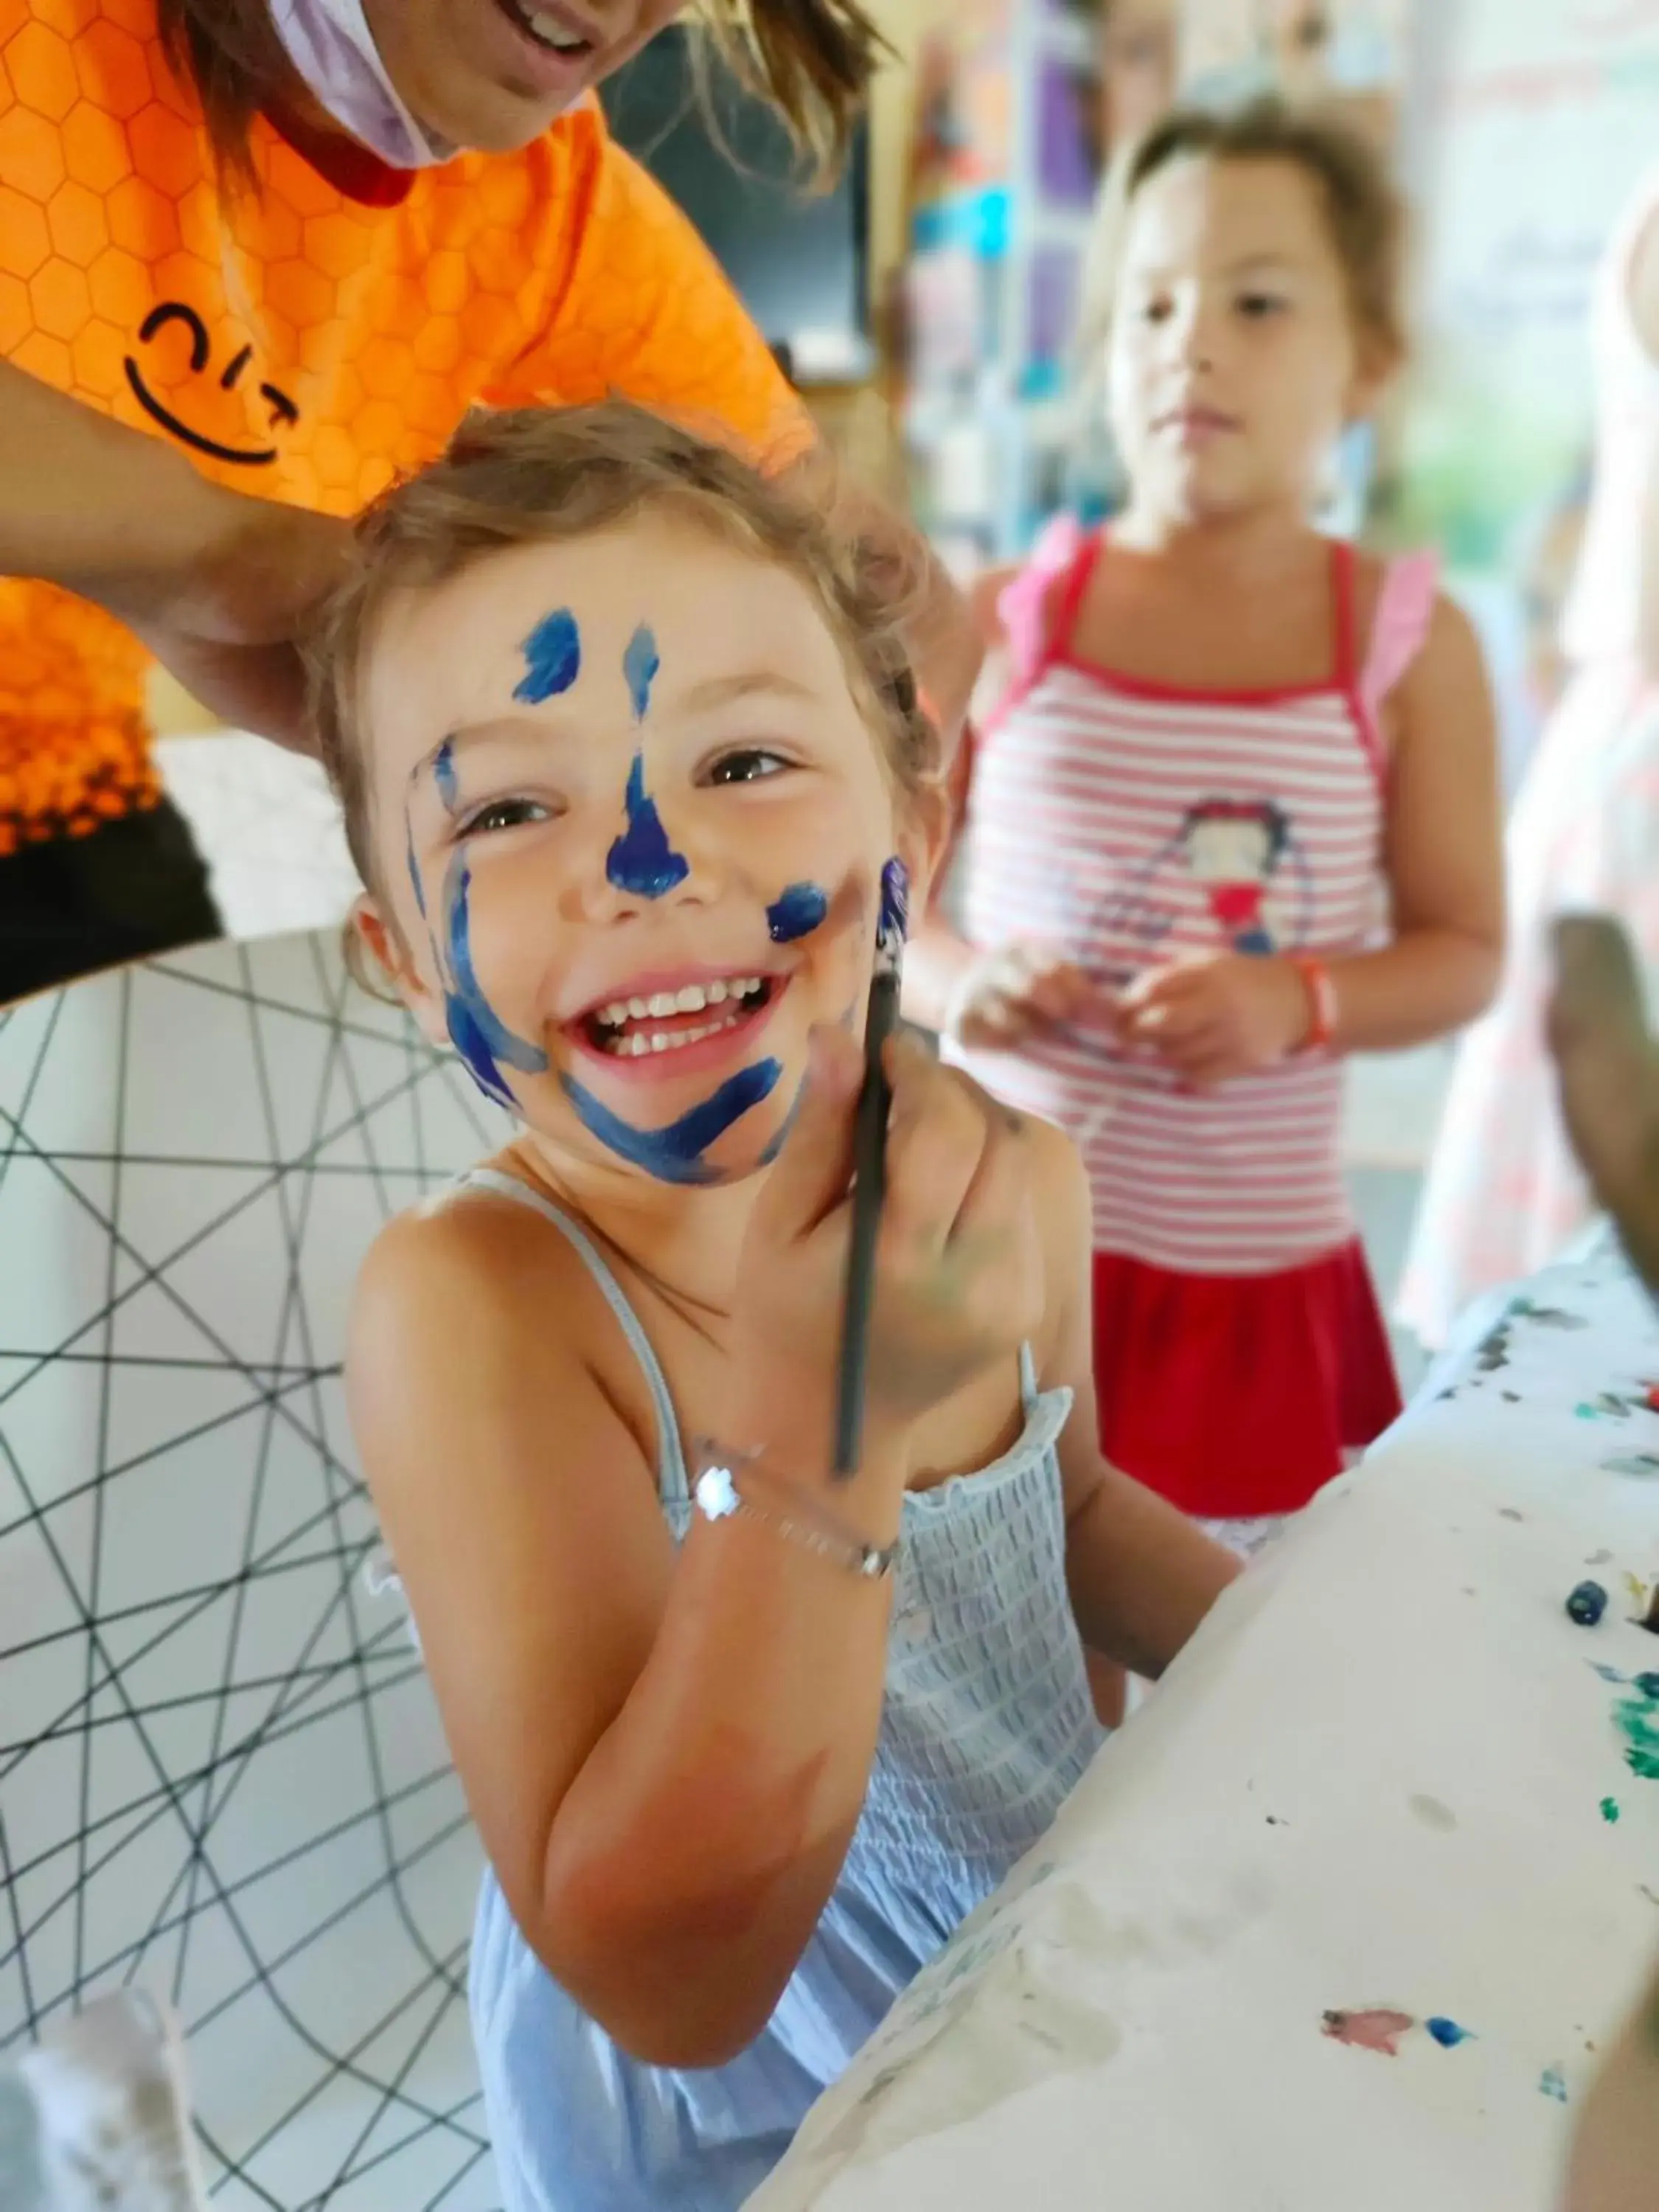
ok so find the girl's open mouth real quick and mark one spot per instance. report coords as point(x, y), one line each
point(676, 1029)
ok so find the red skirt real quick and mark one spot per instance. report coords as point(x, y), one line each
point(1235, 1396)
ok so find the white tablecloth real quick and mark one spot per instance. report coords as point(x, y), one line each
point(1390, 1775)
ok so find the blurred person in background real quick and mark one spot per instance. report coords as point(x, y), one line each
point(1504, 1193)
point(1607, 1065)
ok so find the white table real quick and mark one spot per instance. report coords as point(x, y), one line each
point(1375, 1780)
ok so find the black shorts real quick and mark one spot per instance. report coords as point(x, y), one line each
point(137, 886)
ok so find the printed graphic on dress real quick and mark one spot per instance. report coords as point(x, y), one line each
point(1241, 854)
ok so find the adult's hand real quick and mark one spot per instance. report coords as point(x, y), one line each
point(228, 634)
point(215, 583)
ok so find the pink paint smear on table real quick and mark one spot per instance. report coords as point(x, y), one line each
point(1376, 2030)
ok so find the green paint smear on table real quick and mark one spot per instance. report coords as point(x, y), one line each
point(1609, 1810)
point(1637, 1721)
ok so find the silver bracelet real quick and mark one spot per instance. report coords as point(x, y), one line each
point(719, 1498)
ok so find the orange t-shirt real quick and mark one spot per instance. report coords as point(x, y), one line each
point(303, 344)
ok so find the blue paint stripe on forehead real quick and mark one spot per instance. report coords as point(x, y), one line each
point(553, 658)
point(639, 664)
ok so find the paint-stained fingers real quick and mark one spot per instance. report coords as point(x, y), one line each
point(810, 1179)
point(937, 1133)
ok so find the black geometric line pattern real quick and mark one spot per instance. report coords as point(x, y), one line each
point(222, 1775)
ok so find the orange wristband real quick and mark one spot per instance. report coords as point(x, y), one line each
point(1321, 1002)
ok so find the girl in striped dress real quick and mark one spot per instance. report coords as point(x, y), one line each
point(1236, 816)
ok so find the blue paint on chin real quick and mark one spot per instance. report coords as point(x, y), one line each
point(675, 1154)
point(477, 1031)
point(639, 664)
point(642, 862)
point(796, 912)
point(553, 658)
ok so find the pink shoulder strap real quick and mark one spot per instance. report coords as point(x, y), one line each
point(1026, 604)
point(1400, 628)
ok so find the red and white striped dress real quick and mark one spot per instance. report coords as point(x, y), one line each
point(1240, 1352)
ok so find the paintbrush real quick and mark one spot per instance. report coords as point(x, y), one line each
point(869, 1170)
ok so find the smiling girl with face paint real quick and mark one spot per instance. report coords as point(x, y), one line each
point(628, 749)
point(258, 259)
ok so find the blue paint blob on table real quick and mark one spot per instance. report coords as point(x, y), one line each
point(796, 912)
point(1587, 1604)
point(1552, 2083)
point(553, 658)
point(642, 862)
point(675, 1154)
point(640, 662)
point(1446, 2033)
point(477, 1031)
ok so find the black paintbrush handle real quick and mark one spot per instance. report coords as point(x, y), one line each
point(870, 1176)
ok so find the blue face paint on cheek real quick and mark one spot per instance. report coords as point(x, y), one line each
point(640, 662)
point(642, 862)
point(676, 1154)
point(796, 912)
point(553, 658)
point(477, 1031)
point(443, 774)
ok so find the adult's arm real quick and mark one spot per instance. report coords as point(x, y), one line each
point(215, 583)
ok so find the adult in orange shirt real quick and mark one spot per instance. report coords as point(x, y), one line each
point(257, 257)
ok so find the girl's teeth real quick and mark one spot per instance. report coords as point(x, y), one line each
point(662, 1005)
point(553, 33)
point(642, 1045)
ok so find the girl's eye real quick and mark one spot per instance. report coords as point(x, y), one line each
point(747, 764)
point(1157, 311)
point(502, 814)
point(1260, 304)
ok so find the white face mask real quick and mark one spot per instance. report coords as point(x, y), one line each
point(330, 43)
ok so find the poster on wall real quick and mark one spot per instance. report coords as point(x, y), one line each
point(1545, 117)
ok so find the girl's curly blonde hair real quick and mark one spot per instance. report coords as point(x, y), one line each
point(549, 474)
